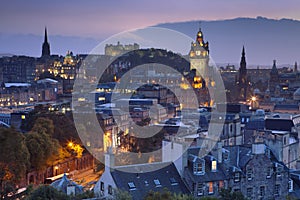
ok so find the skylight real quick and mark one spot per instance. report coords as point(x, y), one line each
point(157, 183)
point(131, 186)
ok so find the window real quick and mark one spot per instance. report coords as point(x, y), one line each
point(236, 177)
point(157, 183)
point(110, 189)
point(214, 165)
point(278, 170)
point(249, 174)
point(269, 172)
point(277, 189)
point(262, 191)
point(131, 186)
point(291, 185)
point(221, 185)
point(210, 188)
point(102, 186)
point(200, 189)
point(198, 168)
point(173, 181)
point(249, 192)
point(226, 156)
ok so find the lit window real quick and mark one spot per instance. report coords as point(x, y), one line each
point(131, 186)
point(200, 189)
point(277, 189)
point(210, 187)
point(157, 183)
point(214, 165)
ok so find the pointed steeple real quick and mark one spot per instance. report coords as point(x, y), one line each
point(45, 37)
point(243, 59)
point(296, 67)
point(274, 70)
point(46, 46)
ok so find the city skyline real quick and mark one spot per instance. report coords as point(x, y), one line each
point(80, 26)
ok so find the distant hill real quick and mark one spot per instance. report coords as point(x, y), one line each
point(264, 39)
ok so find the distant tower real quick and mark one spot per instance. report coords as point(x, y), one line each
point(242, 81)
point(296, 67)
point(199, 59)
point(274, 78)
point(46, 46)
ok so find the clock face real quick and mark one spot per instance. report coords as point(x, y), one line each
point(198, 53)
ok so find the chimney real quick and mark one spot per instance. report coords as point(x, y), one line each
point(220, 152)
point(258, 148)
point(109, 159)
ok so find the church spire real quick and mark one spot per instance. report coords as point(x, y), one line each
point(46, 37)
point(243, 59)
point(46, 46)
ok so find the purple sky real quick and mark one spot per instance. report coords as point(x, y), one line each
point(101, 18)
point(79, 25)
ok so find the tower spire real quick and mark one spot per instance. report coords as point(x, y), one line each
point(46, 37)
point(243, 59)
point(46, 46)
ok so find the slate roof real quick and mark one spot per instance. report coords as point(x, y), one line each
point(64, 182)
point(209, 175)
point(166, 174)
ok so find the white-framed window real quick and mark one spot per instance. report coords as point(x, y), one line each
point(198, 168)
point(214, 165)
point(249, 174)
point(236, 177)
point(200, 189)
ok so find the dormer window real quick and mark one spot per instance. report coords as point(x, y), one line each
point(214, 165)
point(198, 168)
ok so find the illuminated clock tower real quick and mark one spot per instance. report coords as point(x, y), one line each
point(199, 58)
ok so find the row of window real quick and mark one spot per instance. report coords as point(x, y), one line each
point(210, 186)
point(249, 173)
point(262, 191)
point(110, 189)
